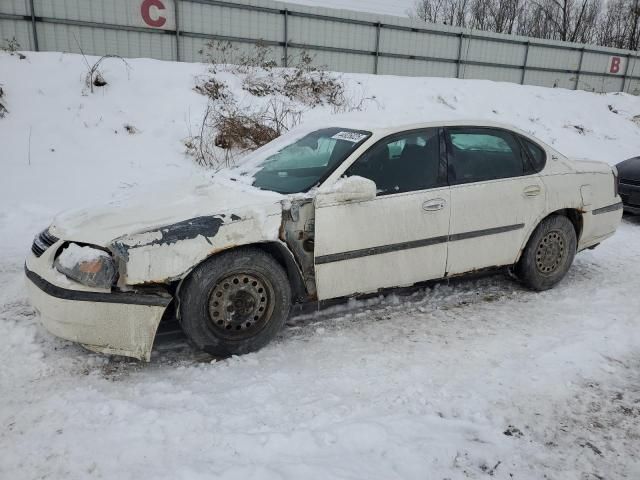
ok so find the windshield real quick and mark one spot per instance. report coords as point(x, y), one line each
point(301, 164)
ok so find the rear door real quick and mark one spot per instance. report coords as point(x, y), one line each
point(494, 197)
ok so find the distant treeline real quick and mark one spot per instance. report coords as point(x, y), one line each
point(610, 23)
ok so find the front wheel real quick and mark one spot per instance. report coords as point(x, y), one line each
point(235, 302)
point(548, 254)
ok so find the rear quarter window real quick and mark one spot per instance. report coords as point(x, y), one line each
point(536, 155)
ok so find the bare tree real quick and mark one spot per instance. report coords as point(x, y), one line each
point(570, 20)
point(614, 23)
point(447, 12)
point(498, 16)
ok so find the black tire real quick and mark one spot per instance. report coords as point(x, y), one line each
point(235, 302)
point(549, 253)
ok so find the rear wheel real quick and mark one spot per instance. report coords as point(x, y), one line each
point(548, 254)
point(235, 303)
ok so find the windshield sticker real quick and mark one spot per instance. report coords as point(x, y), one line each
point(354, 137)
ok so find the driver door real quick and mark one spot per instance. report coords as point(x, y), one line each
point(397, 238)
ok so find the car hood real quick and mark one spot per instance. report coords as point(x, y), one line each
point(163, 204)
point(629, 169)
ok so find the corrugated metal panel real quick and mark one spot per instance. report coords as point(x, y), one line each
point(15, 7)
point(415, 68)
point(232, 22)
point(97, 41)
point(499, 74)
point(117, 12)
point(130, 25)
point(633, 87)
point(491, 51)
point(338, 62)
point(18, 29)
point(599, 63)
point(540, 56)
point(551, 79)
point(331, 34)
point(597, 83)
point(419, 44)
point(196, 50)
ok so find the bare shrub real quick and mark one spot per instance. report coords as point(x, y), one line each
point(11, 46)
point(259, 86)
point(219, 54)
point(212, 87)
point(304, 82)
point(237, 129)
point(95, 76)
point(228, 130)
point(225, 56)
point(3, 109)
point(312, 85)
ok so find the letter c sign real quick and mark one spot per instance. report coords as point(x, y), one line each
point(145, 11)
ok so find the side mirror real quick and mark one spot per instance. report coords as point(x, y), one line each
point(347, 189)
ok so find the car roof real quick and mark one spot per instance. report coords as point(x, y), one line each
point(385, 130)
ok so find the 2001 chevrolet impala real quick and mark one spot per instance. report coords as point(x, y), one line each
point(312, 216)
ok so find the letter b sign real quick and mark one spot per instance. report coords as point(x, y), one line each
point(615, 65)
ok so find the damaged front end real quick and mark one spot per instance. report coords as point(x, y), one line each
point(111, 296)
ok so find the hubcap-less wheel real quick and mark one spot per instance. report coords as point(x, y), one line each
point(240, 305)
point(550, 252)
point(234, 302)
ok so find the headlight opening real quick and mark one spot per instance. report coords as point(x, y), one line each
point(87, 265)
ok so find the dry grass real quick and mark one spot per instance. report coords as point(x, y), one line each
point(227, 131)
point(229, 128)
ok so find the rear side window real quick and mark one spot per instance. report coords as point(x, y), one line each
point(480, 154)
point(536, 155)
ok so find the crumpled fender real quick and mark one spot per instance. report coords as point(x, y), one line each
point(169, 252)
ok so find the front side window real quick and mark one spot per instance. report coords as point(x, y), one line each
point(480, 154)
point(301, 164)
point(402, 163)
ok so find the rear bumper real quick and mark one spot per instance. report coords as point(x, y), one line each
point(116, 323)
point(600, 224)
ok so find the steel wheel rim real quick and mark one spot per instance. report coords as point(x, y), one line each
point(550, 252)
point(240, 304)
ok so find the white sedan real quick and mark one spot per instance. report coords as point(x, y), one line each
point(317, 215)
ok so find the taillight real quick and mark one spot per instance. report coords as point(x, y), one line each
point(614, 169)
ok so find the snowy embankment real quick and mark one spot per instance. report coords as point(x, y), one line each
point(471, 380)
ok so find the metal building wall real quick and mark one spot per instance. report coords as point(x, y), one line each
point(342, 40)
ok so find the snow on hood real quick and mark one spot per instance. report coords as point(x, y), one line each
point(164, 204)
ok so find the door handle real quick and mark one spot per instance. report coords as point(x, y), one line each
point(532, 191)
point(434, 205)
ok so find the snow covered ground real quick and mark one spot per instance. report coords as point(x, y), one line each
point(475, 379)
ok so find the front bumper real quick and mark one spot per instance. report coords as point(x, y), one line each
point(118, 323)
